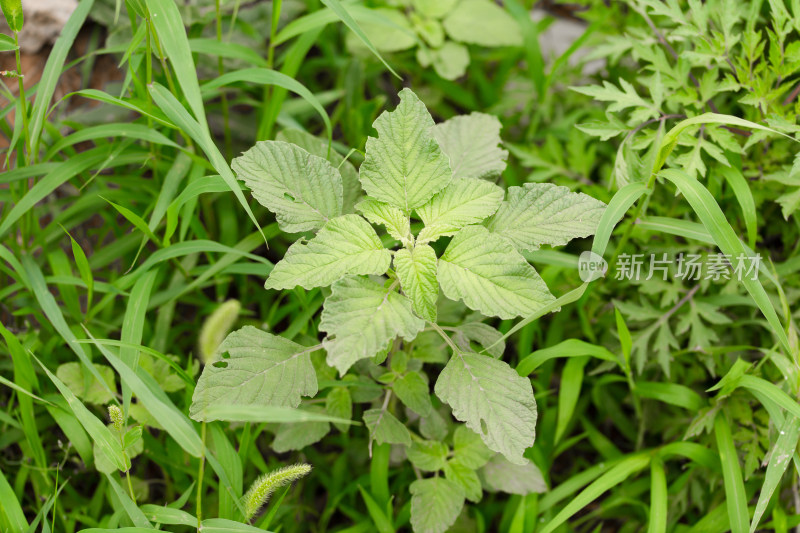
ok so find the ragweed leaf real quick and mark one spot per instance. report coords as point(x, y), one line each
point(345, 245)
point(303, 190)
point(493, 400)
point(542, 213)
point(416, 270)
point(490, 276)
point(256, 368)
point(396, 222)
point(435, 504)
point(361, 317)
point(404, 165)
point(471, 143)
point(463, 202)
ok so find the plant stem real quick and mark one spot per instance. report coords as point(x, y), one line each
point(222, 95)
point(200, 474)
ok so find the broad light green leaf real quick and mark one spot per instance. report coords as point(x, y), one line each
point(500, 475)
point(351, 187)
point(361, 317)
point(483, 334)
point(414, 392)
point(303, 190)
point(427, 455)
point(469, 448)
point(463, 202)
point(255, 368)
point(296, 436)
point(434, 8)
point(396, 222)
point(404, 165)
point(338, 403)
point(345, 245)
point(84, 385)
point(435, 504)
point(471, 143)
point(493, 400)
point(384, 427)
point(482, 22)
point(450, 61)
point(466, 477)
point(393, 36)
point(543, 213)
point(490, 275)
point(416, 270)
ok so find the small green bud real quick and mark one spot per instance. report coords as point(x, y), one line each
point(115, 414)
point(263, 487)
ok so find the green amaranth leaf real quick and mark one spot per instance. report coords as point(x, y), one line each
point(427, 455)
point(416, 270)
point(351, 187)
point(501, 475)
point(543, 213)
point(255, 368)
point(404, 165)
point(465, 476)
point(414, 392)
point(471, 143)
point(84, 385)
point(463, 202)
point(338, 403)
point(296, 436)
point(303, 190)
point(435, 504)
point(384, 427)
point(345, 245)
point(396, 222)
point(490, 275)
point(361, 318)
point(493, 400)
point(482, 22)
point(469, 448)
point(483, 334)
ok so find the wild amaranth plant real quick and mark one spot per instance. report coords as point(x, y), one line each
point(425, 184)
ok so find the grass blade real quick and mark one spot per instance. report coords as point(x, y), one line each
point(736, 500)
point(658, 497)
point(780, 457)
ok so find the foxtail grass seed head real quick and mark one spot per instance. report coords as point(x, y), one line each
point(215, 328)
point(115, 414)
point(263, 487)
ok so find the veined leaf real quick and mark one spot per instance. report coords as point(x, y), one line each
point(482, 22)
point(463, 202)
point(490, 275)
point(384, 427)
point(345, 245)
point(471, 142)
point(396, 222)
point(493, 400)
point(469, 448)
point(435, 504)
point(501, 475)
point(543, 213)
point(414, 392)
point(404, 165)
point(466, 477)
point(351, 187)
point(483, 334)
point(416, 270)
point(256, 368)
point(427, 455)
point(361, 317)
point(303, 190)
